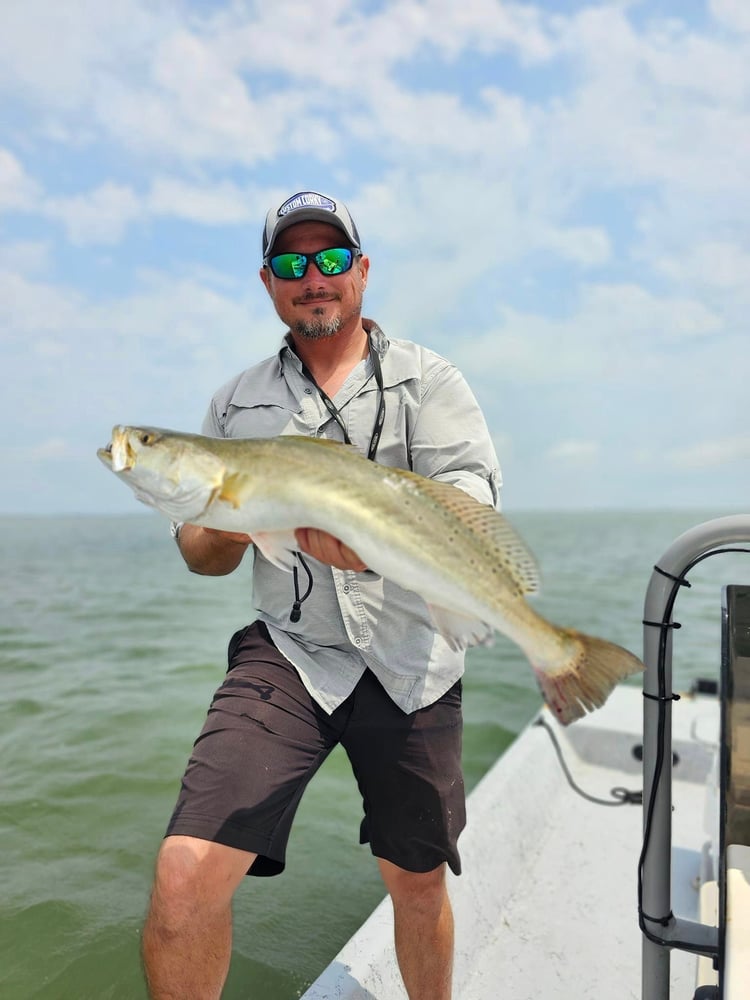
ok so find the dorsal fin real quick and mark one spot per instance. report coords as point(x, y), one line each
point(498, 537)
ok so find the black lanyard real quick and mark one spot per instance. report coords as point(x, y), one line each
point(296, 612)
point(336, 413)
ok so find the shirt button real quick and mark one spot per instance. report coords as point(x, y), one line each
point(358, 641)
point(308, 392)
point(347, 588)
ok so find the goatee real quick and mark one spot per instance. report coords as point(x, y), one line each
point(318, 328)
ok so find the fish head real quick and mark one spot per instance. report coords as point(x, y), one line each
point(165, 469)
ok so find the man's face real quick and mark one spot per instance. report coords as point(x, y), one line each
point(316, 305)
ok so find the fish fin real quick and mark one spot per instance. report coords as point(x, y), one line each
point(499, 539)
point(278, 547)
point(588, 677)
point(460, 631)
point(230, 489)
point(511, 550)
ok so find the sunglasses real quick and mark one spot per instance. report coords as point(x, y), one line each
point(292, 266)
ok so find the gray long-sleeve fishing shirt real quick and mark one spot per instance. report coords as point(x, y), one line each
point(353, 621)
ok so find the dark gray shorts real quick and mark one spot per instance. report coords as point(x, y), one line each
point(265, 737)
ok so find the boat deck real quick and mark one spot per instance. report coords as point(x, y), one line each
point(547, 905)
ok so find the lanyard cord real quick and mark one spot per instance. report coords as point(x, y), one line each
point(296, 612)
point(336, 413)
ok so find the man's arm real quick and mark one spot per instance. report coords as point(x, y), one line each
point(450, 440)
point(211, 552)
point(328, 549)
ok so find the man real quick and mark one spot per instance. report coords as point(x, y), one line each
point(337, 655)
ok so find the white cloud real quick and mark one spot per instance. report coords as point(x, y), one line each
point(167, 319)
point(50, 349)
point(177, 314)
point(488, 26)
point(56, 55)
point(29, 307)
point(613, 332)
point(575, 452)
point(220, 203)
point(555, 200)
point(102, 215)
point(192, 86)
point(25, 256)
point(707, 454)
point(55, 448)
point(460, 234)
point(17, 190)
point(211, 110)
point(630, 312)
point(99, 216)
point(586, 245)
point(713, 264)
point(354, 46)
point(734, 14)
point(643, 99)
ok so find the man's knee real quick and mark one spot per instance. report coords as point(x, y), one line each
point(194, 876)
point(422, 889)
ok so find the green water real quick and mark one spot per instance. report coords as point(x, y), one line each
point(109, 653)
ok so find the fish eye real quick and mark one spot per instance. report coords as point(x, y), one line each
point(146, 438)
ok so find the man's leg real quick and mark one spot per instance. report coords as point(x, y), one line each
point(187, 939)
point(423, 921)
point(261, 712)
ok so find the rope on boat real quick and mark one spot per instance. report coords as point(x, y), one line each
point(620, 796)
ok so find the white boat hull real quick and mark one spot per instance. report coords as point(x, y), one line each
point(547, 905)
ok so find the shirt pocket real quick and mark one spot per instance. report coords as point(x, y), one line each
point(261, 420)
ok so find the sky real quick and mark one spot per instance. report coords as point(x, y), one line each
point(553, 195)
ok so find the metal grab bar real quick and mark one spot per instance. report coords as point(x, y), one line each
point(656, 900)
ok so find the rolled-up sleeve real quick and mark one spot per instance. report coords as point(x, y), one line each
point(450, 439)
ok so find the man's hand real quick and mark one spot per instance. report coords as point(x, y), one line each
point(328, 549)
point(230, 536)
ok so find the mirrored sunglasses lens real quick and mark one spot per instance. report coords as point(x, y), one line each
point(289, 265)
point(334, 261)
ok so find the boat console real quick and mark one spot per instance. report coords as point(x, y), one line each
point(734, 883)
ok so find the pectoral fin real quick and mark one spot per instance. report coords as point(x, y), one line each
point(459, 631)
point(278, 547)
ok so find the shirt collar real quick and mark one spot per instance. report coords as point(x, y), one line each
point(378, 341)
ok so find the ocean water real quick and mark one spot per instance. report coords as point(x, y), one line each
point(109, 654)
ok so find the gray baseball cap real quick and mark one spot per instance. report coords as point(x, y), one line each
point(308, 206)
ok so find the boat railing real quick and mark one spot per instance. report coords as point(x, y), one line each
point(662, 930)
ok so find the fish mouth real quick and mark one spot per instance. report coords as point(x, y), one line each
point(118, 455)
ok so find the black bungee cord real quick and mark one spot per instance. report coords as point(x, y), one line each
point(663, 698)
point(296, 613)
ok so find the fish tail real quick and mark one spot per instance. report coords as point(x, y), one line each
point(586, 677)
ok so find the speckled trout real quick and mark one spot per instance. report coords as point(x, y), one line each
point(462, 557)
